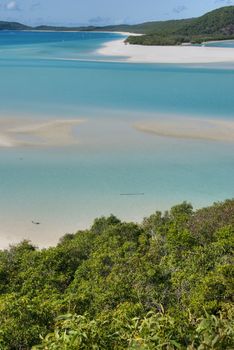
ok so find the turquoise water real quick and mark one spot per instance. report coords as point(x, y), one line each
point(60, 75)
point(226, 43)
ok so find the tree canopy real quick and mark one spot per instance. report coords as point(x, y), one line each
point(166, 283)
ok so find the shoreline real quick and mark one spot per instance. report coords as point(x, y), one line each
point(165, 54)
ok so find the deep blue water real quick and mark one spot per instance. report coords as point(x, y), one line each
point(61, 75)
point(12, 38)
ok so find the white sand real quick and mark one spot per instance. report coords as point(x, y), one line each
point(126, 34)
point(166, 54)
point(34, 133)
point(189, 128)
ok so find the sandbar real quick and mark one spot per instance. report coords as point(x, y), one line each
point(189, 128)
point(38, 133)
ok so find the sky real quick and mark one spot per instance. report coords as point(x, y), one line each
point(103, 12)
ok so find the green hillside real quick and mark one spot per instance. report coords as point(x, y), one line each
point(220, 21)
point(164, 284)
point(215, 25)
point(12, 26)
point(67, 29)
point(149, 27)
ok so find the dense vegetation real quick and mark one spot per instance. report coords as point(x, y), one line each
point(164, 284)
point(215, 25)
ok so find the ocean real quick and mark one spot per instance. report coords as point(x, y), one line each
point(48, 78)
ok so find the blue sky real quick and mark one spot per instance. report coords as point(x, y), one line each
point(102, 12)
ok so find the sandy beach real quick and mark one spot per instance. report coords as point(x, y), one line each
point(166, 54)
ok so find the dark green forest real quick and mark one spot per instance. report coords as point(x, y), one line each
point(215, 25)
point(166, 283)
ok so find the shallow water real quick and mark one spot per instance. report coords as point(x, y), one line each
point(226, 43)
point(65, 188)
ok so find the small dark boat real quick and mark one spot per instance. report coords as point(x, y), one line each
point(36, 223)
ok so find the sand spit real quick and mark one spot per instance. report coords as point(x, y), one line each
point(166, 54)
point(34, 133)
point(189, 128)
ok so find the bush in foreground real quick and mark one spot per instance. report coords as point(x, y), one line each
point(164, 284)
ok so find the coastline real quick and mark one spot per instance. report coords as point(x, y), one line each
point(58, 188)
point(166, 54)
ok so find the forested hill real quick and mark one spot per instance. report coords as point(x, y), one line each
point(13, 26)
point(164, 284)
point(215, 25)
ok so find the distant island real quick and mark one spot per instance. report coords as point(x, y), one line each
point(215, 25)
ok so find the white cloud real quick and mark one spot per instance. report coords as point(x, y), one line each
point(12, 6)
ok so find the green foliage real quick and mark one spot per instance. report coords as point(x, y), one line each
point(164, 284)
point(154, 331)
